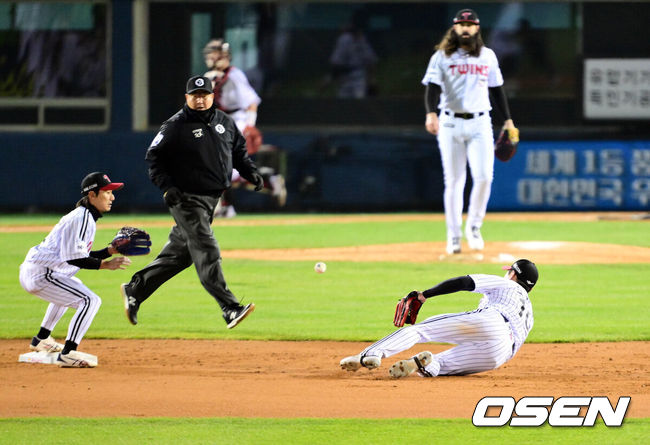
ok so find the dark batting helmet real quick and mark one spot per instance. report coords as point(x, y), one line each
point(526, 273)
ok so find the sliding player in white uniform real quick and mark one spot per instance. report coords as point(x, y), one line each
point(485, 338)
point(457, 80)
point(49, 268)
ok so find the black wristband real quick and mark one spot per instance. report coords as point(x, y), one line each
point(101, 254)
point(86, 262)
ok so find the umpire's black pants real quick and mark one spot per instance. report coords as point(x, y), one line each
point(190, 241)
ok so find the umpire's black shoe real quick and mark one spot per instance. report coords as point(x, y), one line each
point(131, 305)
point(234, 316)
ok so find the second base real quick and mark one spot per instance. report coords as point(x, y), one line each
point(46, 358)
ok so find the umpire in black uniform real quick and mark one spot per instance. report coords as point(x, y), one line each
point(191, 161)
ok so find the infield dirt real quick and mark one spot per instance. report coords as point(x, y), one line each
point(215, 378)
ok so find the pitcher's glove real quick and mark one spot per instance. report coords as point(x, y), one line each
point(407, 309)
point(131, 241)
point(506, 145)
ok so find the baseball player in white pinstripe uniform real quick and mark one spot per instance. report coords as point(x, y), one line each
point(485, 338)
point(49, 268)
point(461, 77)
point(235, 96)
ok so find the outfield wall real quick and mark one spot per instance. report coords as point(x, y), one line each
point(367, 166)
point(330, 171)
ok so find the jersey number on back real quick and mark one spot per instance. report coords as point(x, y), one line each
point(524, 313)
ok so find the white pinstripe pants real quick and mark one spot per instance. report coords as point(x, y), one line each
point(62, 291)
point(483, 338)
point(461, 141)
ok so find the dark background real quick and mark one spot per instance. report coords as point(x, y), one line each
point(369, 154)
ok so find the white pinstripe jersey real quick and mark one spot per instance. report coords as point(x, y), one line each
point(464, 79)
point(510, 299)
point(71, 238)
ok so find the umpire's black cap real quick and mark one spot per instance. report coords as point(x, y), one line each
point(198, 83)
point(466, 15)
point(97, 181)
point(526, 272)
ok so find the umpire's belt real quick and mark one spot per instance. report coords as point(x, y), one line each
point(465, 115)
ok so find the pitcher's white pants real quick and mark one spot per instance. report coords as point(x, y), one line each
point(461, 141)
point(483, 338)
point(62, 292)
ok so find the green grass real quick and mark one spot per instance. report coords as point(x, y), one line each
point(302, 431)
point(352, 300)
point(366, 233)
point(315, 234)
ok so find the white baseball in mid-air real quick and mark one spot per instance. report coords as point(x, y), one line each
point(320, 267)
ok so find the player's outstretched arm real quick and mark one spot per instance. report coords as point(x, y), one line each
point(450, 286)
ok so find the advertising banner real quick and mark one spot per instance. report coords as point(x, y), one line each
point(574, 175)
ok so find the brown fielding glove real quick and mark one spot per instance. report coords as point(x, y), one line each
point(407, 309)
point(506, 145)
point(131, 241)
point(253, 139)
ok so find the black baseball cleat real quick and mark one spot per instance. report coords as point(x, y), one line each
point(131, 305)
point(234, 316)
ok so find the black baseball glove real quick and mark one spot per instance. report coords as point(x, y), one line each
point(506, 145)
point(131, 241)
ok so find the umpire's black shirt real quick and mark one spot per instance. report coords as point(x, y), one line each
point(196, 151)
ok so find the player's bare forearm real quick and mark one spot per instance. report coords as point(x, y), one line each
point(120, 262)
point(508, 124)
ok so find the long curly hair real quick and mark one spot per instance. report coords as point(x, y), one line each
point(451, 42)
